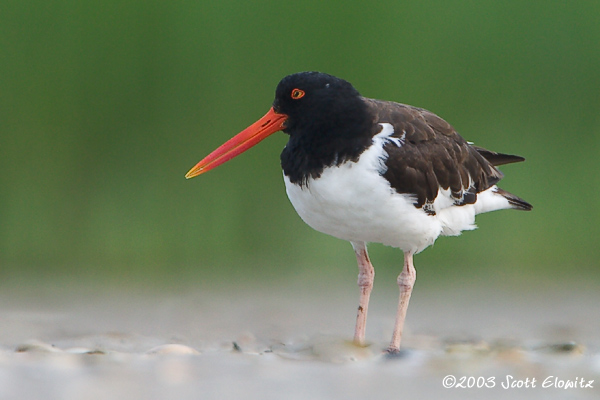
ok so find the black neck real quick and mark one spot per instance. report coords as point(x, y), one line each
point(326, 141)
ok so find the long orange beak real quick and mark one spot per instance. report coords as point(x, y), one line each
point(252, 135)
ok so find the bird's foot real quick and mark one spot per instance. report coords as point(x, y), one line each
point(392, 353)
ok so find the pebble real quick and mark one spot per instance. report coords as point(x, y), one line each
point(174, 349)
point(570, 348)
point(84, 350)
point(36, 346)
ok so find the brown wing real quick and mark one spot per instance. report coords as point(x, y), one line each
point(432, 156)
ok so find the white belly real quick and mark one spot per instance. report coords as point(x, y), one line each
point(362, 212)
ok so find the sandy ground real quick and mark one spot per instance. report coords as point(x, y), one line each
point(287, 342)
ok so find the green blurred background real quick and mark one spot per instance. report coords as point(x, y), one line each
point(106, 105)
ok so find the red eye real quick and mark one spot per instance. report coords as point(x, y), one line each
point(297, 94)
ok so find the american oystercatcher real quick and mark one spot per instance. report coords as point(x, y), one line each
point(367, 170)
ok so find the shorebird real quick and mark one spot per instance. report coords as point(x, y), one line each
point(367, 170)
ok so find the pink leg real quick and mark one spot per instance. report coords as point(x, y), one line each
point(406, 281)
point(366, 274)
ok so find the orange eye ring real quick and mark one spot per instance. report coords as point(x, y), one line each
point(297, 94)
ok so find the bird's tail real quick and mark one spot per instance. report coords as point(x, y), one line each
point(498, 158)
point(516, 202)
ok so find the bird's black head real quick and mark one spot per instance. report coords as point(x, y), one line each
point(327, 120)
point(316, 101)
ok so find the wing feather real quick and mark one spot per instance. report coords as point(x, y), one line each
point(434, 156)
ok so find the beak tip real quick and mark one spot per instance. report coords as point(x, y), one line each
point(192, 174)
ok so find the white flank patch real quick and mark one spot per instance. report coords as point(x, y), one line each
point(460, 218)
point(490, 200)
point(379, 140)
point(386, 135)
